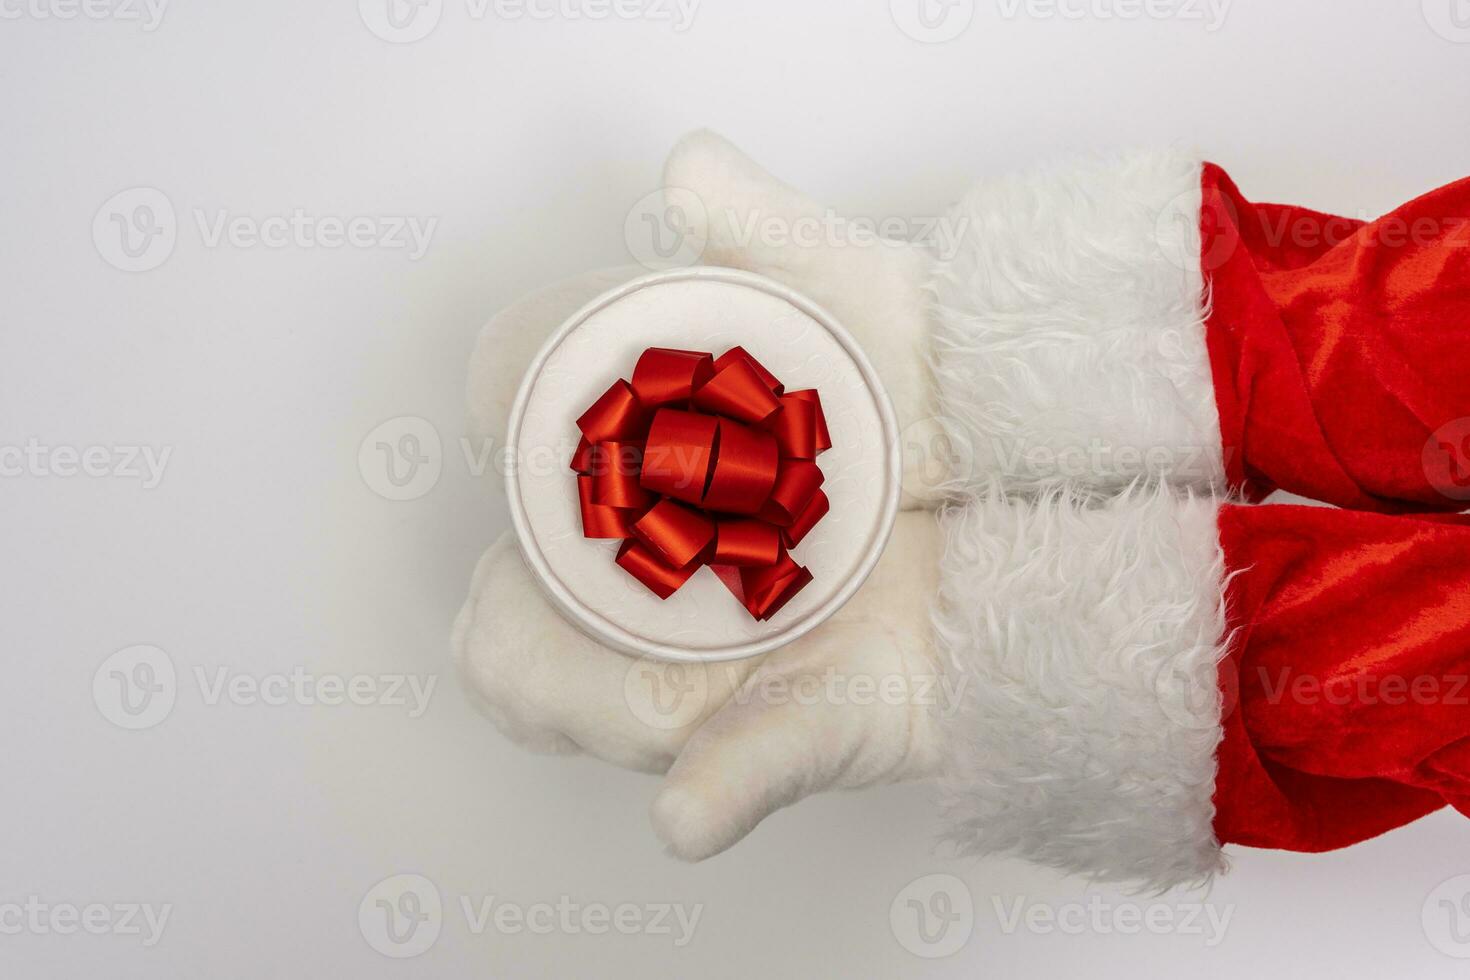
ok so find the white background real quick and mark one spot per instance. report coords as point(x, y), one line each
point(263, 550)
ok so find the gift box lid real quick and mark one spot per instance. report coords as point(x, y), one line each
point(709, 309)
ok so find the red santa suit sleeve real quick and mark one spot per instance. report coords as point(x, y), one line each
point(1341, 349)
point(1103, 320)
point(1150, 679)
point(1347, 680)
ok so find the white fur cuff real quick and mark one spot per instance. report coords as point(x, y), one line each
point(1088, 640)
point(1069, 341)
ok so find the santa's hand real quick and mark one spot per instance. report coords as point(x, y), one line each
point(849, 704)
point(855, 702)
point(546, 685)
point(550, 688)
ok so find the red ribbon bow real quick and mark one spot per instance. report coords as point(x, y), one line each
point(704, 461)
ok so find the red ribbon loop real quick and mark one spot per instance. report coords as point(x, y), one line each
point(702, 460)
point(664, 375)
point(676, 532)
point(679, 453)
point(615, 468)
point(738, 392)
point(746, 465)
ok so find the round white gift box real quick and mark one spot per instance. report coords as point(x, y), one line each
point(705, 309)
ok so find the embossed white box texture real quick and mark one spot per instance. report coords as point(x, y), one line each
point(706, 309)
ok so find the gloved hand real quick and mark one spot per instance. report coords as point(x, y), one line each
point(850, 704)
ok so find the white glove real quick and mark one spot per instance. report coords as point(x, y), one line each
point(850, 704)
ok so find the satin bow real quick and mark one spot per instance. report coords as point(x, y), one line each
point(704, 461)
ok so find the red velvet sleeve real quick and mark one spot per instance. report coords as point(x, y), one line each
point(1341, 349)
point(1347, 683)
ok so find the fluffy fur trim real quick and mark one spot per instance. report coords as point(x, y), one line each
point(1090, 637)
point(1069, 342)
